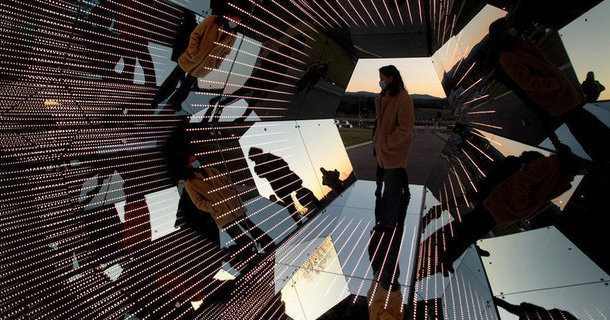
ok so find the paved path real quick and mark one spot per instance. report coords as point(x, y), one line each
point(424, 153)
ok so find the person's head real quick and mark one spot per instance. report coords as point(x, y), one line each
point(502, 34)
point(528, 157)
point(231, 14)
point(590, 75)
point(390, 80)
point(254, 152)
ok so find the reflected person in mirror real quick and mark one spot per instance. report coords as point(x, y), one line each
point(286, 184)
point(208, 44)
point(545, 89)
point(518, 196)
point(212, 191)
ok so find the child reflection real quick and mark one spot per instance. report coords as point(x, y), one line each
point(209, 43)
point(286, 184)
point(527, 311)
point(211, 191)
point(331, 180)
point(517, 197)
point(384, 296)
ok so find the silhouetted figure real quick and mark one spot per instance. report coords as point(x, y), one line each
point(392, 140)
point(212, 191)
point(517, 197)
point(528, 311)
point(209, 43)
point(591, 88)
point(283, 181)
point(545, 89)
point(331, 179)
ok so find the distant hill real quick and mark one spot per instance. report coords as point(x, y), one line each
point(374, 94)
point(364, 102)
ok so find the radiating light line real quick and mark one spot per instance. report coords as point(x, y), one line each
point(465, 74)
point(467, 175)
point(481, 151)
point(474, 163)
point(367, 12)
point(255, 3)
point(486, 125)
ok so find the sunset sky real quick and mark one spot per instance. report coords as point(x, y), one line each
point(418, 73)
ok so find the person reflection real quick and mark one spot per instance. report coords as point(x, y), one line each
point(384, 296)
point(211, 191)
point(286, 184)
point(591, 88)
point(209, 43)
point(528, 311)
point(331, 180)
point(517, 197)
point(392, 139)
point(545, 89)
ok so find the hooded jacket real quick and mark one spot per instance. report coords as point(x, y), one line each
point(212, 192)
point(208, 46)
point(395, 121)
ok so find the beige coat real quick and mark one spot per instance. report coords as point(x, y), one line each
point(207, 48)
point(541, 80)
point(395, 120)
point(215, 195)
point(527, 191)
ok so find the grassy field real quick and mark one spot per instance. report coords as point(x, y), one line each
point(353, 136)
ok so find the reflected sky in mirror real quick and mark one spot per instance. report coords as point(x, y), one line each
point(346, 225)
point(460, 45)
point(584, 38)
point(327, 155)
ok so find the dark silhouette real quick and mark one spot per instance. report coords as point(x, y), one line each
point(528, 311)
point(545, 89)
point(591, 88)
point(331, 180)
point(284, 182)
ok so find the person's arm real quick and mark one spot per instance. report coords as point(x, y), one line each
point(195, 192)
point(198, 34)
point(518, 71)
point(405, 118)
point(601, 87)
